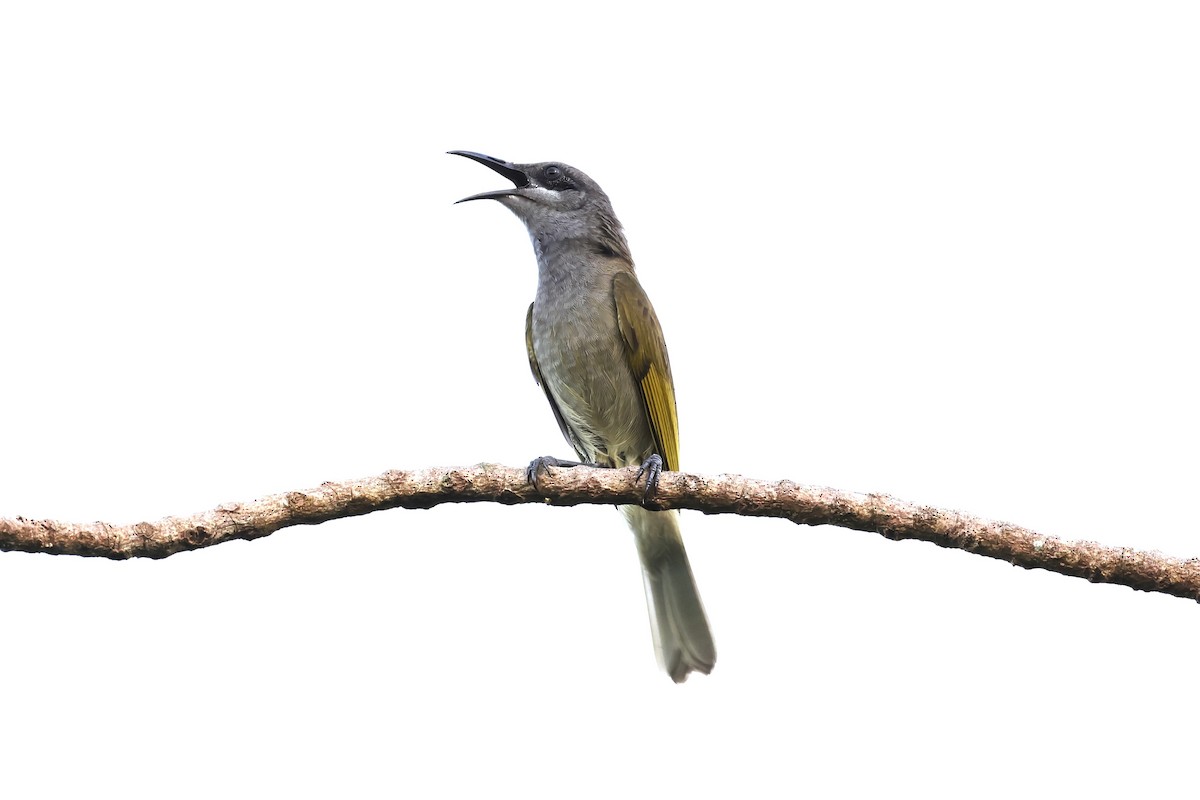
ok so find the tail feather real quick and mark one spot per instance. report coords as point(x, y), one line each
point(682, 640)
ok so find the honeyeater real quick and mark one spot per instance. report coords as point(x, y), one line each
point(596, 348)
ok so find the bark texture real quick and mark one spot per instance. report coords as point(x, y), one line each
point(717, 494)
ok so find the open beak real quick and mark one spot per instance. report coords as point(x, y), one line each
point(511, 171)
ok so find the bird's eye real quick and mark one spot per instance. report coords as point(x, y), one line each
point(552, 173)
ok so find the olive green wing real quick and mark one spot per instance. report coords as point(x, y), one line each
point(646, 353)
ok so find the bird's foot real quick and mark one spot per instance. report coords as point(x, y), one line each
point(651, 468)
point(541, 464)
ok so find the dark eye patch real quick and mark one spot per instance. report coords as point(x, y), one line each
point(555, 177)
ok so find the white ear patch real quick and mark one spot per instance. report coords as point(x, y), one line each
point(542, 195)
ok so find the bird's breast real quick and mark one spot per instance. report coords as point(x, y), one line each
point(582, 359)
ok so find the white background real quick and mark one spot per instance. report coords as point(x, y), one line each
point(941, 253)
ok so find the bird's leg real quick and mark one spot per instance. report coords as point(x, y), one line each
point(651, 468)
point(540, 464)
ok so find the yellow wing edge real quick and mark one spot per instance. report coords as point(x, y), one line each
point(646, 353)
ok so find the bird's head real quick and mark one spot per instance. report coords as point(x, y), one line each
point(555, 201)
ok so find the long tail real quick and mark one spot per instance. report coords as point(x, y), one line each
point(682, 639)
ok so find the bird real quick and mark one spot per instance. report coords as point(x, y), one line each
point(597, 350)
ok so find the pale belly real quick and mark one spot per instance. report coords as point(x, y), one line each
point(587, 374)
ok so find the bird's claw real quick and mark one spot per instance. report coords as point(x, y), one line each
point(651, 468)
point(540, 465)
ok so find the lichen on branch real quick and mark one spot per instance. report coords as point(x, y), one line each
point(713, 494)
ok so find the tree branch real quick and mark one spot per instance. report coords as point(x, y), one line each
point(719, 494)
